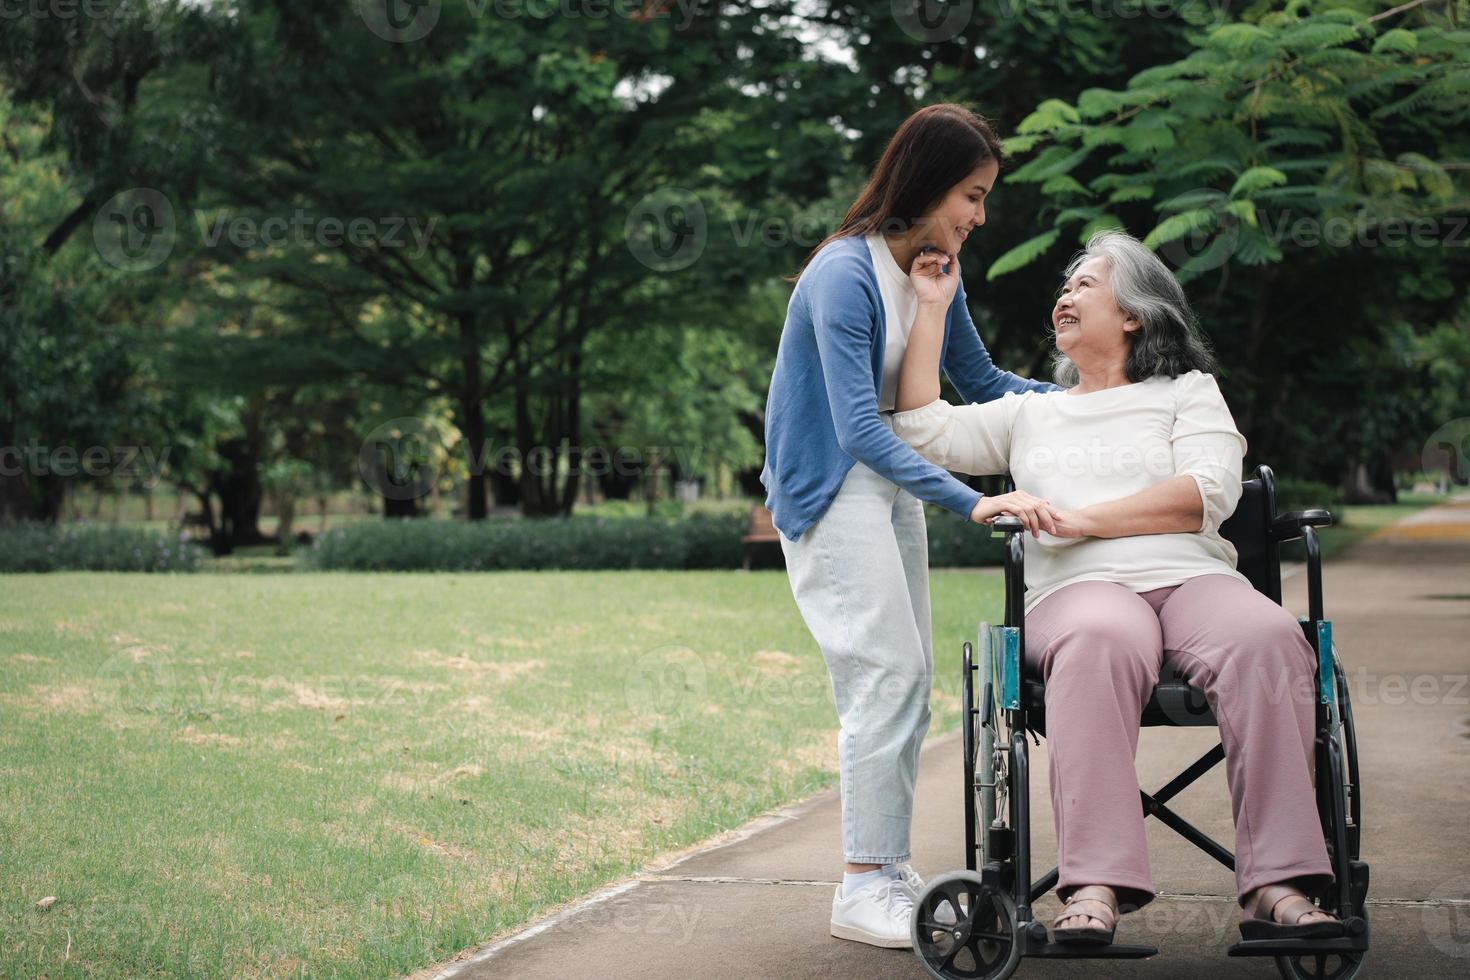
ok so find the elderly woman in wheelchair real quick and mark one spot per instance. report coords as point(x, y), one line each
point(1124, 479)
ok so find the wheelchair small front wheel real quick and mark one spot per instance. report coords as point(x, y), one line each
point(964, 929)
point(1321, 966)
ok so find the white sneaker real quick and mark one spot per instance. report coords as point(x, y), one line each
point(909, 878)
point(877, 915)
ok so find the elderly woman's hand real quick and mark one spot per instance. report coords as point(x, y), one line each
point(1072, 524)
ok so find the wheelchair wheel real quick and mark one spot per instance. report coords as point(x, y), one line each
point(967, 730)
point(1348, 749)
point(980, 942)
point(990, 766)
point(1321, 966)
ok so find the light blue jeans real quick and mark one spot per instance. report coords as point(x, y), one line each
point(860, 577)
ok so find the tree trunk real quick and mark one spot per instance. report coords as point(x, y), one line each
point(1255, 341)
point(477, 455)
point(240, 493)
point(285, 516)
point(505, 489)
point(400, 508)
point(472, 423)
point(218, 542)
point(574, 431)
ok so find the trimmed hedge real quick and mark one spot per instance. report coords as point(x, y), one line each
point(1304, 494)
point(955, 542)
point(696, 541)
point(401, 545)
point(94, 548)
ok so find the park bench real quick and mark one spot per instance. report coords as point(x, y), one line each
point(762, 540)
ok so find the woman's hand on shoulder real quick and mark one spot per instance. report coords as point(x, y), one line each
point(934, 286)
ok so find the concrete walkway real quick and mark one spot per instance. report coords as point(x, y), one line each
point(757, 905)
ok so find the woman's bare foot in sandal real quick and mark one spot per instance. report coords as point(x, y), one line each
point(1090, 916)
point(1282, 911)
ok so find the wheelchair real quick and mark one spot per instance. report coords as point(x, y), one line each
point(977, 924)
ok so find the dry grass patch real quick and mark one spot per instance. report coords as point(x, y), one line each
point(208, 738)
point(777, 662)
point(60, 698)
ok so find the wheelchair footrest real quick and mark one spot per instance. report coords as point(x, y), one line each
point(1079, 951)
point(1356, 941)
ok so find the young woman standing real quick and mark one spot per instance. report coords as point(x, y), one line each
point(846, 494)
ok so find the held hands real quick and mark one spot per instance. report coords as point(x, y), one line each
point(1036, 514)
point(931, 283)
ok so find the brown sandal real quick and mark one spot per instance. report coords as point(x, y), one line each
point(1093, 936)
point(1261, 922)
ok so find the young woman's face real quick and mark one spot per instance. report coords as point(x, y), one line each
point(962, 210)
point(1086, 316)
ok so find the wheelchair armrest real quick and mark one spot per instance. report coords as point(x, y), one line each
point(1288, 527)
point(1006, 524)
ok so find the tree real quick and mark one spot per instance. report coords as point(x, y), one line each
point(1297, 167)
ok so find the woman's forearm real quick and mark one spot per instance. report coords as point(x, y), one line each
point(1171, 507)
point(918, 378)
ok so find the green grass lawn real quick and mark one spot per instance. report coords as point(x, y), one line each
point(358, 775)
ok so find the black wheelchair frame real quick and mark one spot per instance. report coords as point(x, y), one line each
point(978, 924)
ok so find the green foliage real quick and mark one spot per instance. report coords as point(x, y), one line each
point(1257, 178)
point(699, 541)
point(1050, 115)
point(1288, 103)
point(1295, 494)
point(692, 541)
point(1272, 163)
point(1023, 254)
point(34, 547)
point(955, 542)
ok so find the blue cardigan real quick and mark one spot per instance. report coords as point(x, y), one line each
point(822, 411)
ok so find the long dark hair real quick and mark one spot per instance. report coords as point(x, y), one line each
point(935, 148)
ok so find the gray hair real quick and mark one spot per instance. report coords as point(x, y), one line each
point(1167, 342)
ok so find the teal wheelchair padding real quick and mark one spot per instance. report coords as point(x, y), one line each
point(1009, 643)
point(1326, 676)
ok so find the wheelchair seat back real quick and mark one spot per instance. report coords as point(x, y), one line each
point(1249, 530)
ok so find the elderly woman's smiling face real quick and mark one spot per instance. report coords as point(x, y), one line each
point(1088, 323)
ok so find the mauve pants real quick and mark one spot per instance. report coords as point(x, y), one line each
point(1099, 648)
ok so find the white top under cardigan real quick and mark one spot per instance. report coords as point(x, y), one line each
point(1079, 450)
point(900, 307)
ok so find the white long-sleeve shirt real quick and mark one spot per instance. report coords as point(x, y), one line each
point(1080, 450)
